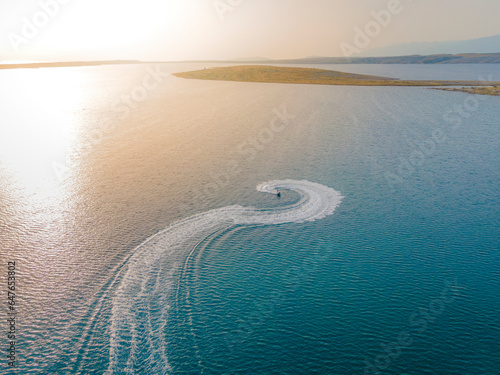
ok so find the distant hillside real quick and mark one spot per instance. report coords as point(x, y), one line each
point(481, 45)
point(466, 58)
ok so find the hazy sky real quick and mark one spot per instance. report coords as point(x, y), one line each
point(48, 30)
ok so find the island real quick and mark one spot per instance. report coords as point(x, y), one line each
point(280, 74)
point(493, 90)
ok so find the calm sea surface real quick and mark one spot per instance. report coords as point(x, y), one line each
point(145, 242)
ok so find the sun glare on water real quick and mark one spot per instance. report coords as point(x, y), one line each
point(42, 107)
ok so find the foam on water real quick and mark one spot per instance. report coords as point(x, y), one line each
point(140, 305)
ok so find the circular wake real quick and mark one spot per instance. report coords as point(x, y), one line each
point(140, 305)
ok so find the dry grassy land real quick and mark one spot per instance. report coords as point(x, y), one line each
point(276, 74)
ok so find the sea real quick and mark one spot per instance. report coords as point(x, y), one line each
point(141, 231)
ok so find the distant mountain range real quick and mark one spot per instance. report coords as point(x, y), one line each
point(464, 58)
point(489, 44)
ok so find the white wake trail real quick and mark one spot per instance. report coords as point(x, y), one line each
point(140, 305)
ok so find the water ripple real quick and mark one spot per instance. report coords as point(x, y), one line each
point(140, 306)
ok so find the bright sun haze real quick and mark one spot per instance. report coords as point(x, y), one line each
point(57, 30)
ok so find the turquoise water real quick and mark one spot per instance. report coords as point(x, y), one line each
point(158, 250)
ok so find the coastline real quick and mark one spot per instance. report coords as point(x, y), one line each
point(486, 90)
point(293, 75)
